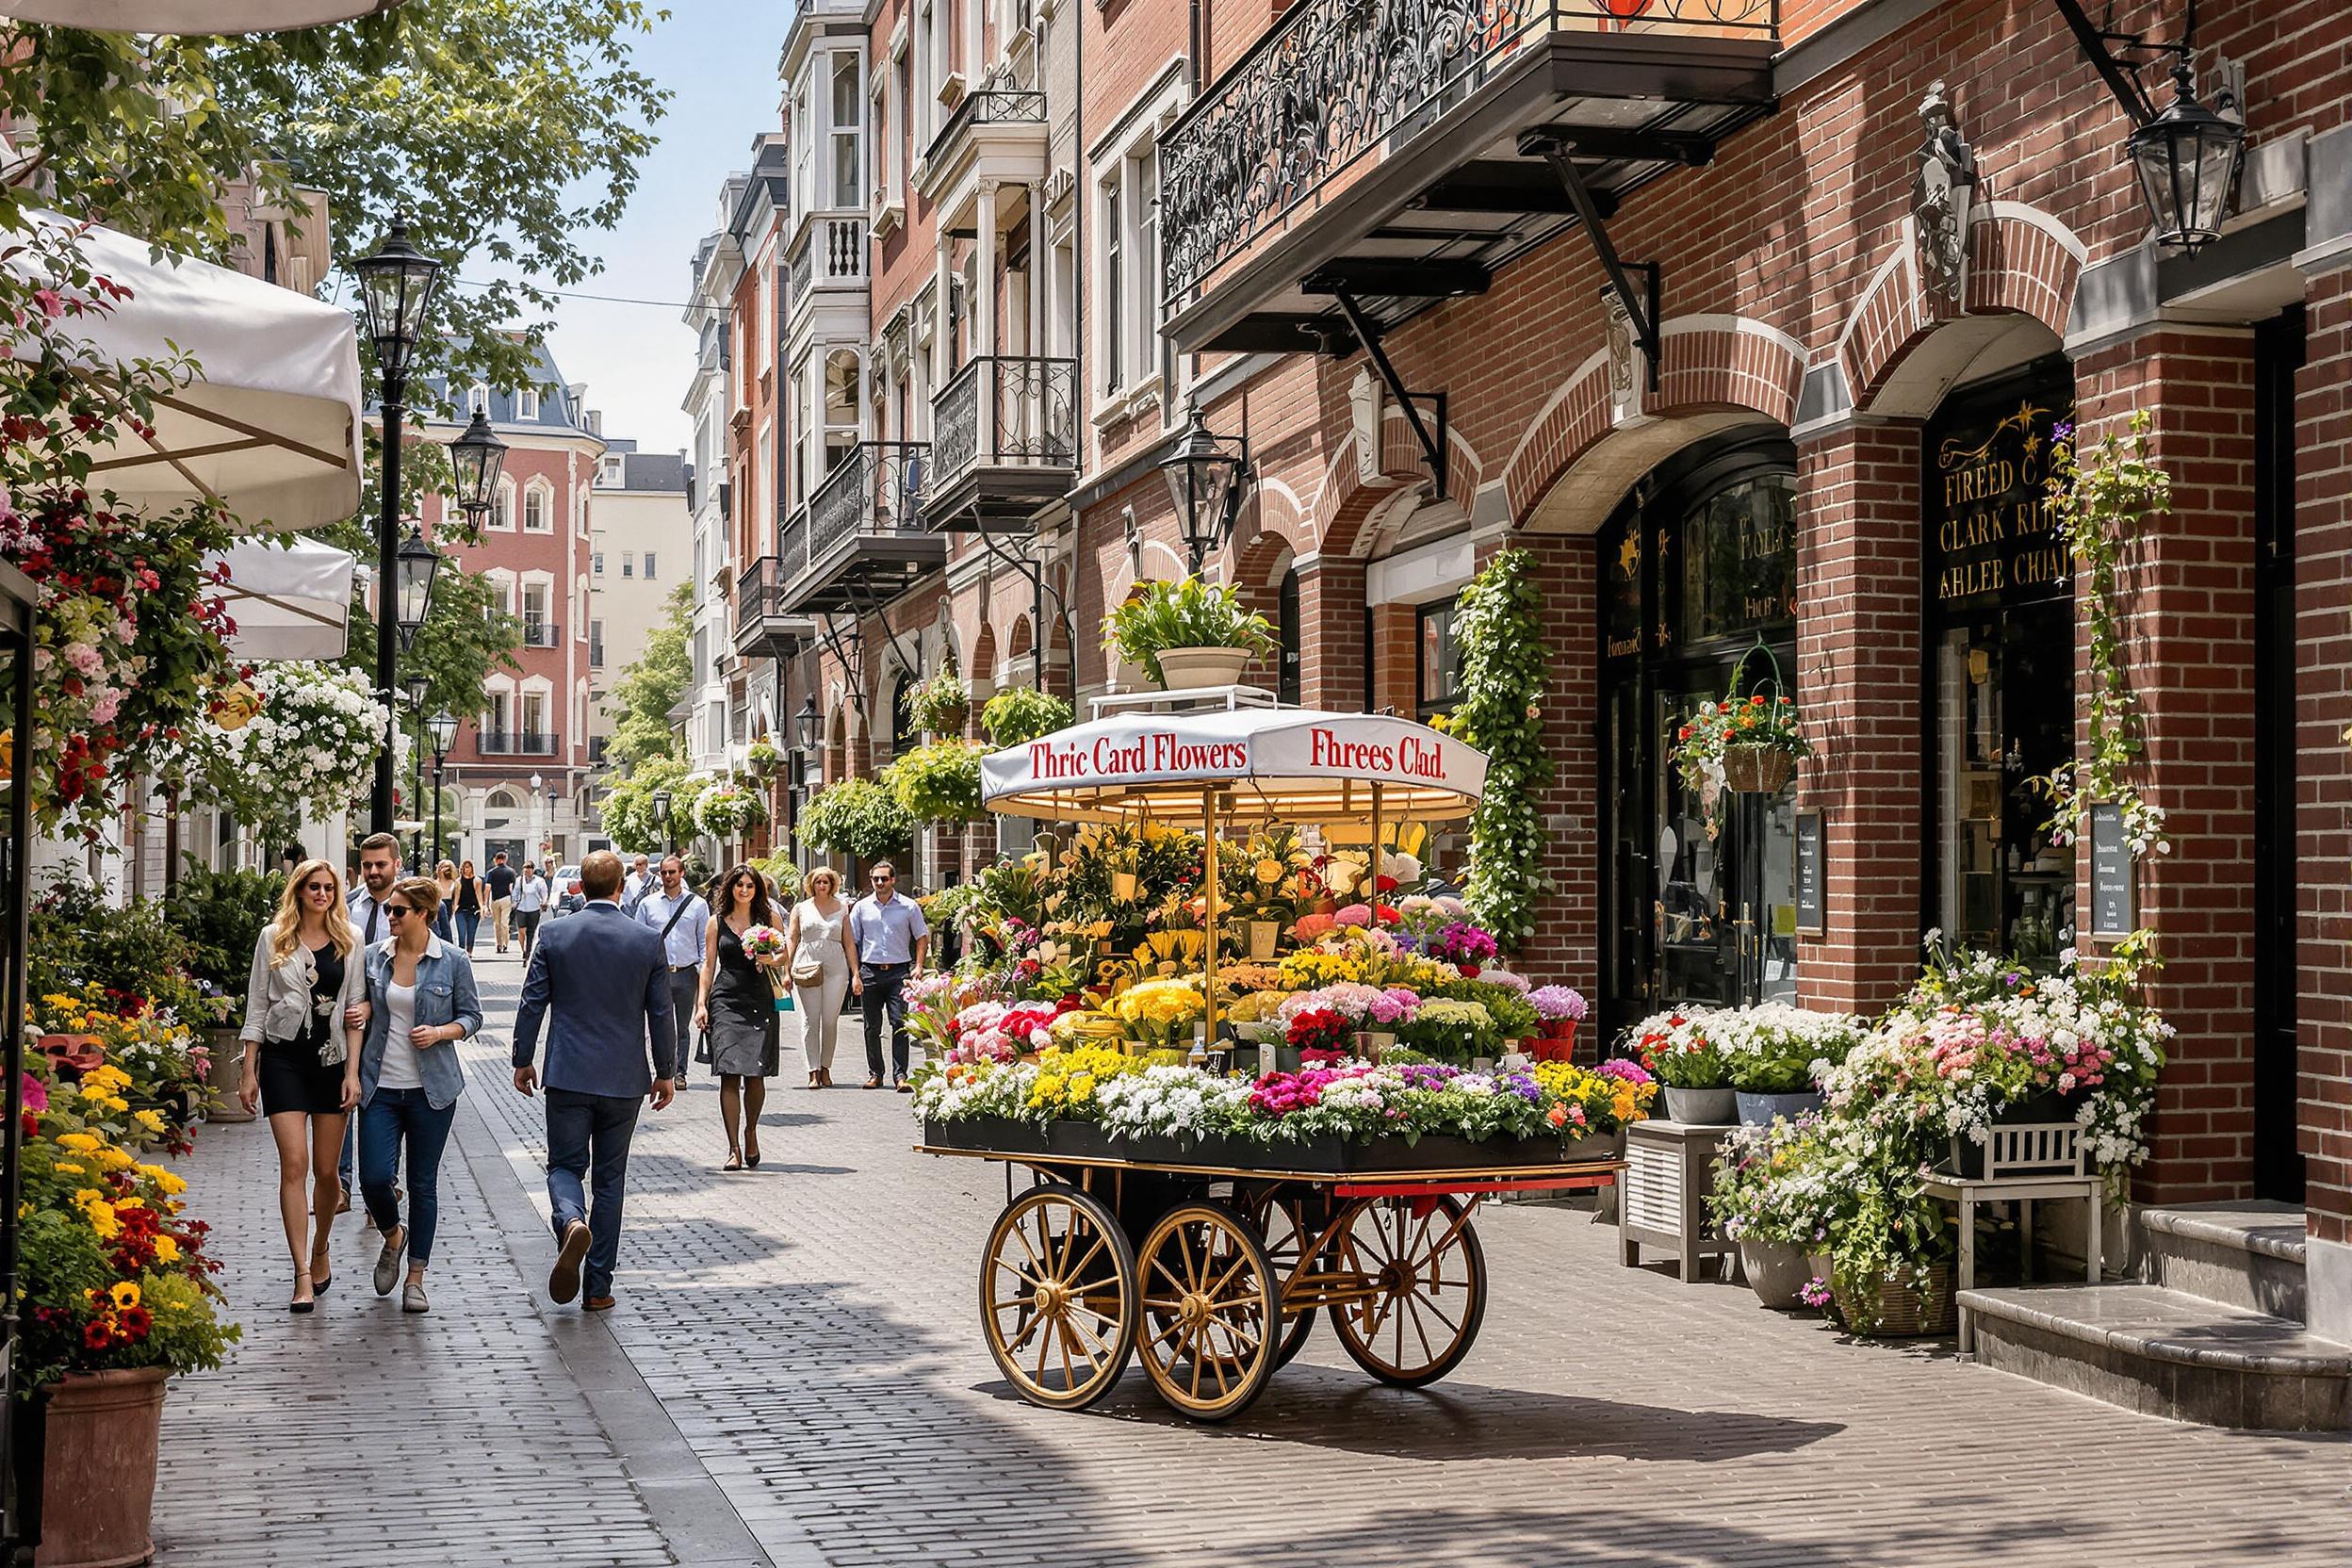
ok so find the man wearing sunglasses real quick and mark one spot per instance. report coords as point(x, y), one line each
point(605, 977)
point(892, 942)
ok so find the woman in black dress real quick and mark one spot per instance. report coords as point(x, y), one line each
point(300, 1058)
point(736, 1009)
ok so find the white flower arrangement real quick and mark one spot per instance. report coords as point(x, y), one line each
point(312, 746)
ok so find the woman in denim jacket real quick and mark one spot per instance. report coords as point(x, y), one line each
point(407, 1077)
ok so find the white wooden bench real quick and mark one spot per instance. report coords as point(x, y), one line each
point(2023, 1165)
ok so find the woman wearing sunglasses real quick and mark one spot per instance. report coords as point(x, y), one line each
point(306, 971)
point(407, 1077)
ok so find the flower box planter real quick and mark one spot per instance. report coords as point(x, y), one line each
point(2043, 1109)
point(1893, 1311)
point(998, 1135)
point(1701, 1107)
point(1757, 1110)
point(103, 1431)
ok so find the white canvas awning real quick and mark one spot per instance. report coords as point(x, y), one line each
point(289, 601)
point(272, 426)
point(1283, 764)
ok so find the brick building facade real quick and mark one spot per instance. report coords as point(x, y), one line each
point(1828, 450)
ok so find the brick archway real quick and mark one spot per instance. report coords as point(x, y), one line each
point(1590, 443)
point(1903, 348)
point(1349, 502)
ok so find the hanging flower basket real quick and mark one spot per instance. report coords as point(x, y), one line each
point(1757, 770)
point(1749, 742)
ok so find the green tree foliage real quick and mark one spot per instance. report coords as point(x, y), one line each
point(468, 632)
point(628, 808)
point(509, 130)
point(651, 686)
point(1503, 660)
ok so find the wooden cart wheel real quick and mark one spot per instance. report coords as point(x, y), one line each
point(1209, 1301)
point(1057, 1297)
point(1428, 1277)
point(1288, 1219)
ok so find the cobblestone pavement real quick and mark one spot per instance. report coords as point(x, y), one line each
point(812, 1331)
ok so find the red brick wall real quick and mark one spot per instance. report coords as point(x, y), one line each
point(2190, 599)
point(1565, 949)
point(1858, 679)
point(2323, 765)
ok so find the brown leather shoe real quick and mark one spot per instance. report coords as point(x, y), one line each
point(598, 1303)
point(874, 1083)
point(563, 1278)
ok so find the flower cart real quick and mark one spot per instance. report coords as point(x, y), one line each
point(1199, 1219)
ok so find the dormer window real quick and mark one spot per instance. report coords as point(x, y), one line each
point(527, 403)
point(477, 399)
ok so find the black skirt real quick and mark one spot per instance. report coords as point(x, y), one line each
point(293, 1079)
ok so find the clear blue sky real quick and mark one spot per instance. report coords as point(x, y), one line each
point(718, 60)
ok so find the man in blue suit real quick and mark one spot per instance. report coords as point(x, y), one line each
point(605, 977)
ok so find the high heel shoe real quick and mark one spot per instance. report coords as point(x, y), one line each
point(299, 1305)
point(751, 1158)
point(734, 1161)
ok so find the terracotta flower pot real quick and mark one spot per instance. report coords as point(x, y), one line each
point(98, 1469)
point(1183, 669)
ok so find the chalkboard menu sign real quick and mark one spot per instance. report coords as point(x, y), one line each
point(1990, 541)
point(2111, 914)
point(1812, 901)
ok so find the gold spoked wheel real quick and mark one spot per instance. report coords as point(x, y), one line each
point(1422, 1275)
point(1058, 1295)
point(1210, 1306)
point(1288, 1219)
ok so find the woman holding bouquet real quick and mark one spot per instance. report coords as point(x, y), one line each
point(737, 1009)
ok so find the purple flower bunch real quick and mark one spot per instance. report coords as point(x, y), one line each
point(1461, 942)
point(1557, 1002)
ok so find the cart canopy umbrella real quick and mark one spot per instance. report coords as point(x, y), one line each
point(270, 427)
point(289, 601)
point(1280, 763)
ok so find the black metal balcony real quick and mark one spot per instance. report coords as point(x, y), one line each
point(1003, 444)
point(542, 634)
point(762, 628)
point(1399, 154)
point(515, 742)
point(860, 539)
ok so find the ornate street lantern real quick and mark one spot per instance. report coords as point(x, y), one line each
point(2187, 159)
point(444, 727)
point(395, 285)
point(807, 724)
point(418, 562)
point(476, 457)
point(1205, 477)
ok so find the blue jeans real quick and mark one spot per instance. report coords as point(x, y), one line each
point(394, 1115)
point(588, 1137)
point(468, 924)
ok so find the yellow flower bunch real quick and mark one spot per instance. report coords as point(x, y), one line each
point(1164, 1003)
point(1255, 1006)
point(1309, 969)
point(1067, 1079)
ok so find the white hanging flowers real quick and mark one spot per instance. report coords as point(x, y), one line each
point(311, 747)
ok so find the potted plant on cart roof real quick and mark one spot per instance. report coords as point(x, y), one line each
point(1188, 634)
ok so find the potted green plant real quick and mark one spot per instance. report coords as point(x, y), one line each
point(1021, 714)
point(1188, 634)
point(938, 783)
point(1770, 1200)
point(857, 817)
point(763, 758)
point(1777, 1055)
point(940, 705)
point(1680, 1051)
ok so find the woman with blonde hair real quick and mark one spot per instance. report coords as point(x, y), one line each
point(820, 956)
point(306, 973)
point(445, 884)
point(406, 1079)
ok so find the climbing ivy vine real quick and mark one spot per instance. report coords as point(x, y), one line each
point(1504, 665)
point(2098, 502)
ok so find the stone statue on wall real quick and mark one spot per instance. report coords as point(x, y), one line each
point(1943, 196)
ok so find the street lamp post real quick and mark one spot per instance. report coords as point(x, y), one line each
point(418, 687)
point(444, 737)
point(1205, 474)
point(545, 828)
point(395, 285)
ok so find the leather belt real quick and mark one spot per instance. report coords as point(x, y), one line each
point(676, 968)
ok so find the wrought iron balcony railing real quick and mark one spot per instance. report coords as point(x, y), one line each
point(990, 106)
point(514, 742)
point(1005, 413)
point(1334, 82)
point(875, 489)
point(542, 634)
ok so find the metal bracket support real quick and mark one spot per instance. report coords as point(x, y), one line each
point(1033, 573)
point(852, 662)
point(1432, 447)
point(1641, 310)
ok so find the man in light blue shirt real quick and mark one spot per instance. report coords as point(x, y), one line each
point(890, 939)
point(684, 920)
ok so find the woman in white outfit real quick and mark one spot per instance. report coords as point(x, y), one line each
point(819, 956)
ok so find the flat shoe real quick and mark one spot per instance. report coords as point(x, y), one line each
point(874, 1083)
point(598, 1303)
point(412, 1299)
point(389, 1260)
point(563, 1278)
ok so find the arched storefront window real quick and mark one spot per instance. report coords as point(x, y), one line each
point(1697, 581)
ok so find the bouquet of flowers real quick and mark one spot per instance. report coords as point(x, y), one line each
point(764, 945)
point(1321, 1033)
point(1158, 1012)
point(1678, 1048)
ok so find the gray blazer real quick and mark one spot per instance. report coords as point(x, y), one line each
point(605, 978)
point(277, 995)
point(445, 994)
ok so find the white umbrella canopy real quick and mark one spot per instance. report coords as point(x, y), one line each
point(271, 425)
point(289, 601)
point(1283, 764)
point(194, 16)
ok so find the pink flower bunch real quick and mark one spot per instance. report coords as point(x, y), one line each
point(1460, 943)
point(1354, 914)
point(1025, 1026)
point(1280, 1093)
point(2067, 1067)
point(980, 1034)
point(1553, 1002)
point(1309, 927)
point(1394, 1006)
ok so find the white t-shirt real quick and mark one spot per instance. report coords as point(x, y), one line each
point(400, 1071)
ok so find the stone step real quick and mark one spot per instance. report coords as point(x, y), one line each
point(2246, 1253)
point(2165, 1352)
